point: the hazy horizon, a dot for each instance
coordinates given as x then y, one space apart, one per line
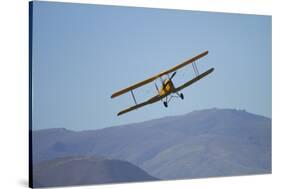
209 109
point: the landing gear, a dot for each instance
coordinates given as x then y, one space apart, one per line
181 95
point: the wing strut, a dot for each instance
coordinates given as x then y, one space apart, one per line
134 97
195 68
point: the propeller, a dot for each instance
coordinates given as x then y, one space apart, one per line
172 75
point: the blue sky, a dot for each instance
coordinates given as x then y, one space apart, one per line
83 53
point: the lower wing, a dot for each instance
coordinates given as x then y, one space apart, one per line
150 101
158 97
194 80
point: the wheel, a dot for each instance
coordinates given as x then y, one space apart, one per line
165 104
181 95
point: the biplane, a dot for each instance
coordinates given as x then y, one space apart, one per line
167 90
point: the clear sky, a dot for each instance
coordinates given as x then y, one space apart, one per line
83 53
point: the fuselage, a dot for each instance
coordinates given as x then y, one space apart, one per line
167 87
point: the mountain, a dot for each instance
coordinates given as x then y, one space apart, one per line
205 143
82 170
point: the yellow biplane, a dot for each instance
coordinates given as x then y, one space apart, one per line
167 87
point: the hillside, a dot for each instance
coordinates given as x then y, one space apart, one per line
206 143
83 170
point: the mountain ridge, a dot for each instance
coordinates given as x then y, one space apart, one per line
155 119
233 142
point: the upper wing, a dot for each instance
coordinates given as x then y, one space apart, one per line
158 75
183 64
194 79
150 101
133 86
